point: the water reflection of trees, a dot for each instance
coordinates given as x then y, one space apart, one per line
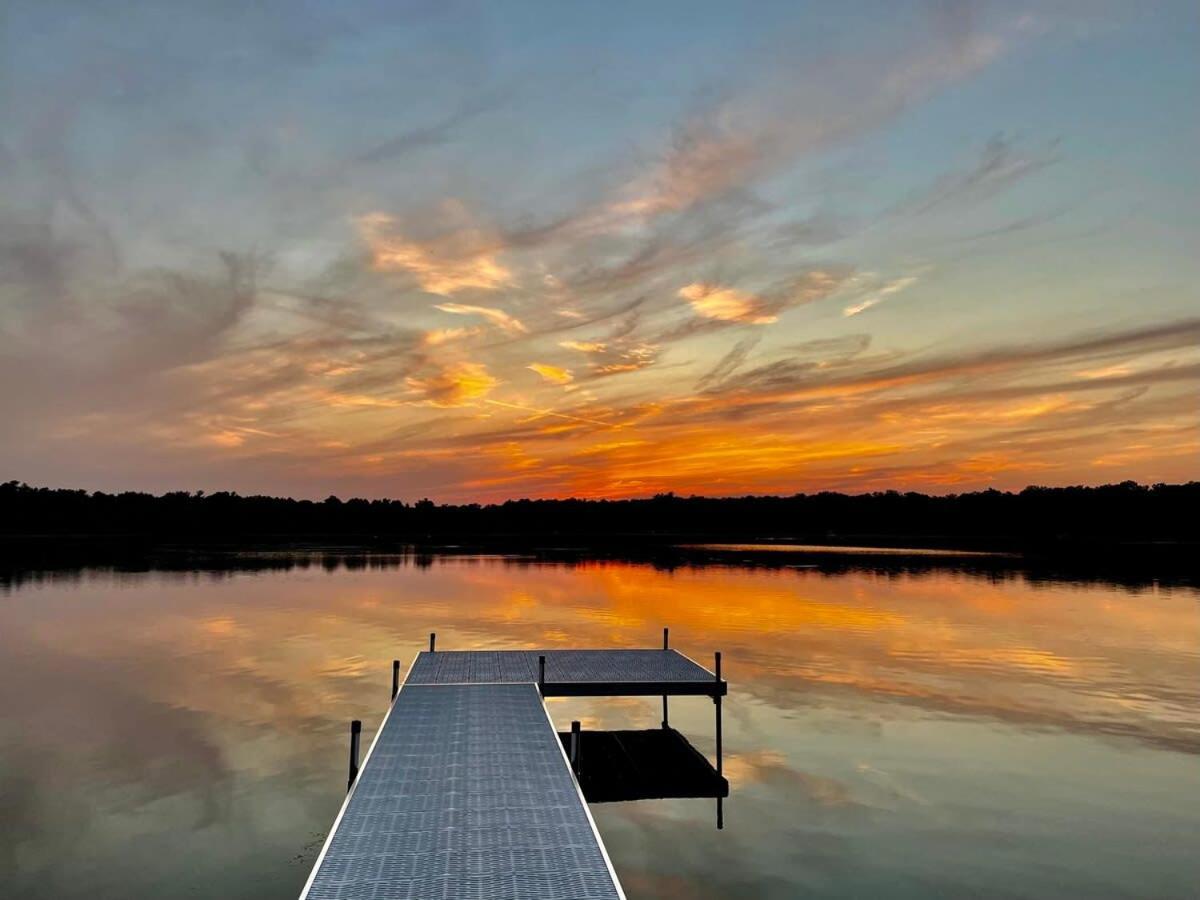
68 562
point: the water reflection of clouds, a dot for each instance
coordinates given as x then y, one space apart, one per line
955 645
182 693
771 767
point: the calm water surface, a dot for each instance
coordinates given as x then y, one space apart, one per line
887 734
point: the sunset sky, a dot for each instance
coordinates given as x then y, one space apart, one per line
473 251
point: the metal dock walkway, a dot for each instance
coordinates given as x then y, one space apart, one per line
467 792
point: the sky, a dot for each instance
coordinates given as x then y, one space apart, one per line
474 251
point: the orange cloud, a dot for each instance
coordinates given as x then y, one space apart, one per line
226 439
440 336
497 317
552 373
639 356
726 304
584 346
458 384
364 400
461 261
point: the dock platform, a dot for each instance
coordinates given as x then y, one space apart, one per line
467 791
572 673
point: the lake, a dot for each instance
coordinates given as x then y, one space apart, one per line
891 730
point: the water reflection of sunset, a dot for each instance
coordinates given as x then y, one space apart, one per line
854 696
1008 650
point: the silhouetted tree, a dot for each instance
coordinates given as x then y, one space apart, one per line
1126 511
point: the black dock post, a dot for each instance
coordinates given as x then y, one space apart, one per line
432 639
717 700
395 678
355 734
575 747
666 645
720 766
542 675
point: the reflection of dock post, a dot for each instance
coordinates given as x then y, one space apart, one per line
666 645
355 734
395 678
575 747
717 701
542 675
432 640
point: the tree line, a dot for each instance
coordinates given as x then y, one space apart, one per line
1127 511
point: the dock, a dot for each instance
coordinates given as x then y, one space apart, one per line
467 790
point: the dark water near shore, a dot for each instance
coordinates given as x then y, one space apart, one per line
890 731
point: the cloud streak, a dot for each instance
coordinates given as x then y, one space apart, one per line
497 317
460 261
552 374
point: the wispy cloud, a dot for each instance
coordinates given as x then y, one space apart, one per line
641 356
462 260
445 335
879 294
431 135
1000 165
584 346
497 317
727 304
719 306
729 363
553 374
456 384
788 381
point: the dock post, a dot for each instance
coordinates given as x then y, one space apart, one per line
666 645
395 678
542 675
575 747
355 735
717 700
432 639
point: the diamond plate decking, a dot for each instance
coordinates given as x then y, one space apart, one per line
607 673
466 791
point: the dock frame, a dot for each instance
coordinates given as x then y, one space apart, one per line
467 791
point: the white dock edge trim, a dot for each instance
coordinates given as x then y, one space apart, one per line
579 792
697 665
312 876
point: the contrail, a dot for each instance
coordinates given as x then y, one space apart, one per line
547 412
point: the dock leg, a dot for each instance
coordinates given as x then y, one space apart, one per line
432 640
355 735
575 747
542 675
666 646
720 813
395 678
717 701
720 767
